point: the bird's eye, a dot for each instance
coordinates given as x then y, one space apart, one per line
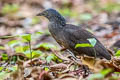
44 14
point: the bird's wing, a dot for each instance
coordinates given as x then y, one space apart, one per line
76 35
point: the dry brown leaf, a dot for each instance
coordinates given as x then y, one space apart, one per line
44 75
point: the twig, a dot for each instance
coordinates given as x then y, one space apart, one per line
29 43
6 37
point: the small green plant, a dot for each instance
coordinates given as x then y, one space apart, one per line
34 53
85 16
13 43
4 56
100 75
46 46
10 9
117 53
7 72
2 48
53 57
46 69
27 38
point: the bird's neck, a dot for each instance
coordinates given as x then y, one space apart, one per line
58 20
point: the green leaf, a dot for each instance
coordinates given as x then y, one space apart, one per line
105 71
83 45
26 37
35 20
3 75
85 16
6 73
39 32
2 47
13 68
92 41
7 8
56 59
36 54
19 49
46 69
4 56
53 57
50 58
13 43
117 53
47 46
95 76
28 53
115 77
117 72
100 75
25 48
13 60
1 68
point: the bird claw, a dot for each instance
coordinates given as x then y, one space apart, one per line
63 49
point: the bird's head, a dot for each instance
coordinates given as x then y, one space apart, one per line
49 13
53 16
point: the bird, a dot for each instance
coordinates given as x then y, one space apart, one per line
68 35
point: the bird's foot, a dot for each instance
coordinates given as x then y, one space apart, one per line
63 49
78 61
72 54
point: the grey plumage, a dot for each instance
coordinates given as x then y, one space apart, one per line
69 35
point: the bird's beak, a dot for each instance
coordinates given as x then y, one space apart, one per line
39 14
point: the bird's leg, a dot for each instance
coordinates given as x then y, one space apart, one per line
75 59
63 49
111 53
83 56
72 54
